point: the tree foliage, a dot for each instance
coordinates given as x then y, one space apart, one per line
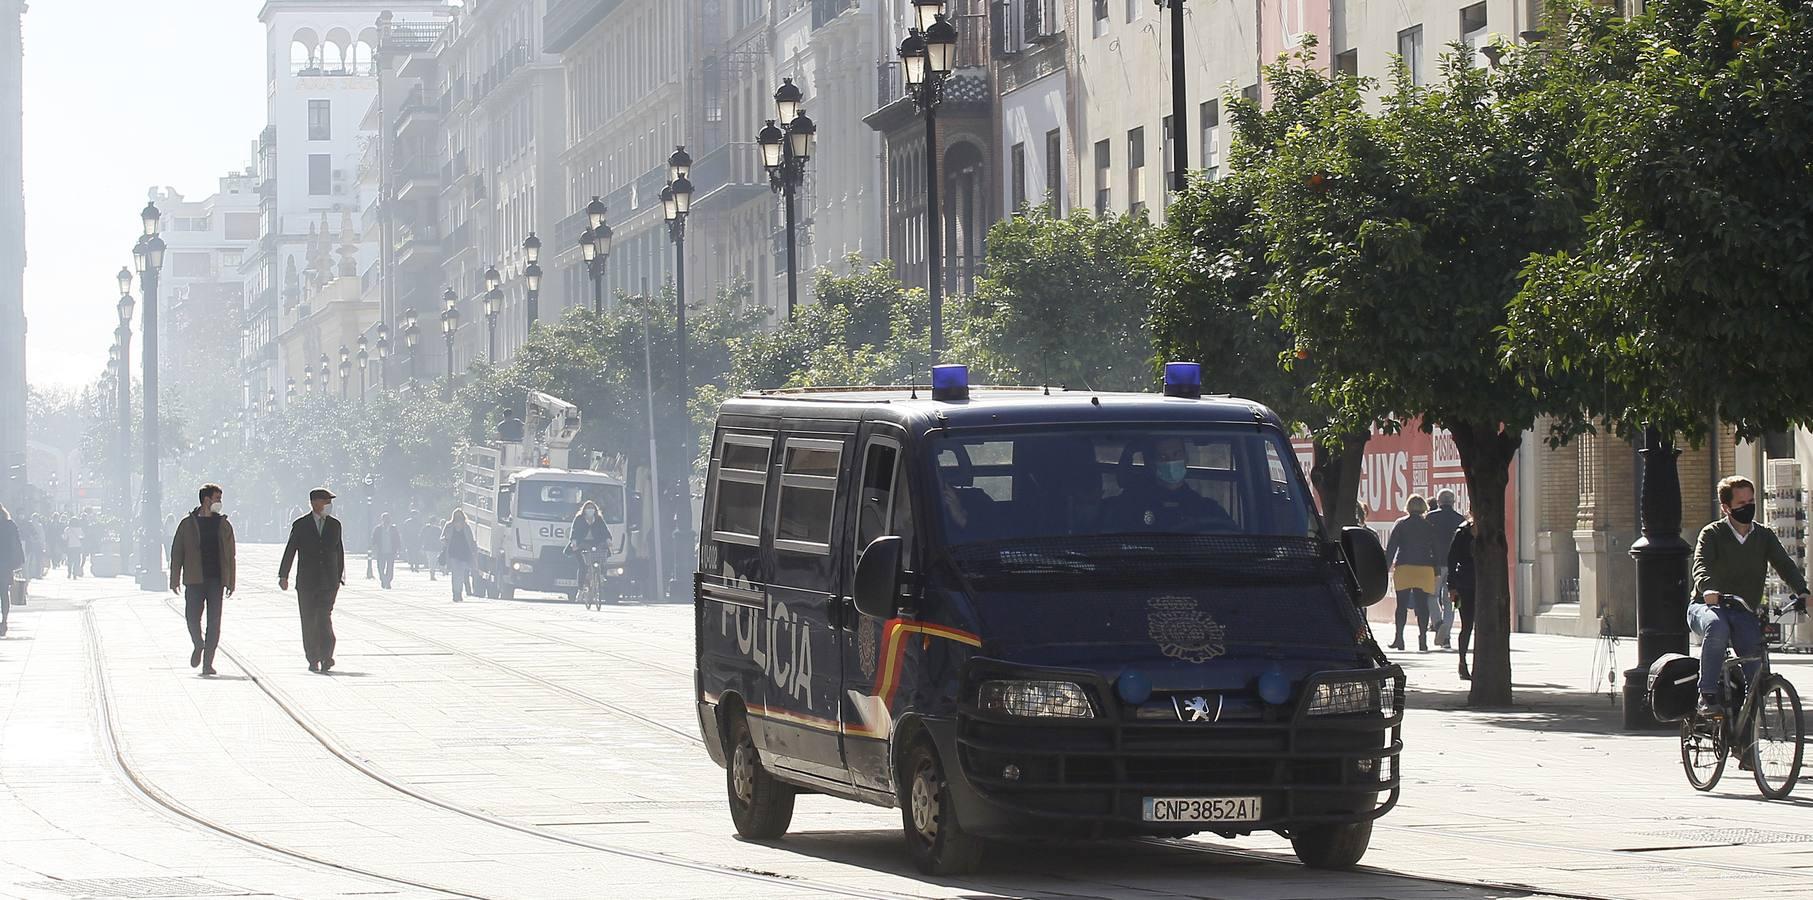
1692 291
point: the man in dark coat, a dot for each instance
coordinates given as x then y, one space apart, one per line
12 556
320 555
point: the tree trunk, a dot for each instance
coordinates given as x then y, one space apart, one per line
1335 474
1486 453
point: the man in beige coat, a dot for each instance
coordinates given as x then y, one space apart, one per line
202 564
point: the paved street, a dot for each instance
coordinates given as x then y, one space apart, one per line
535 749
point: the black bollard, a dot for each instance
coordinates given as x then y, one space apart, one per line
1663 561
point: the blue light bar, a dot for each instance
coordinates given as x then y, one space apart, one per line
950 383
1183 379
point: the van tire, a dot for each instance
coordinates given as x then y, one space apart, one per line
763 807
935 840
1332 846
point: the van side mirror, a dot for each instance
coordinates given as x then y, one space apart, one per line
1366 562
506 498
878 578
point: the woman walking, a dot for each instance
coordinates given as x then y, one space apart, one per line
1460 587
459 550
1412 550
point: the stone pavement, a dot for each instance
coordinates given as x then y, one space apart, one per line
535 749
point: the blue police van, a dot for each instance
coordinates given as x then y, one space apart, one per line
1018 613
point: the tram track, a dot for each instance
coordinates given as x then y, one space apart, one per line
321 735
149 793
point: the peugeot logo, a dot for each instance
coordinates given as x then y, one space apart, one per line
1198 709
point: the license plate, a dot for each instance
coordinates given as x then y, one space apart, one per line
566 582
1202 809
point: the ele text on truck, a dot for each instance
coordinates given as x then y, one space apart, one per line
520 496
1019 613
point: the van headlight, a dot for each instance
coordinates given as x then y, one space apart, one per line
1036 699
1344 698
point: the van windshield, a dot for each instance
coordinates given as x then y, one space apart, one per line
559 501
1008 486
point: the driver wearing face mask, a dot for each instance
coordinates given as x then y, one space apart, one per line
1168 503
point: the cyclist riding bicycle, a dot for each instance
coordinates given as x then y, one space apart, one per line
1731 560
588 535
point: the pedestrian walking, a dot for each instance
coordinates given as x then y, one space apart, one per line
319 553
1446 520
203 569
430 538
385 542
72 543
53 541
33 535
1412 550
458 550
12 556
1461 586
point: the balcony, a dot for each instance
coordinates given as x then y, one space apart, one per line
415 176
416 111
417 244
823 11
267 138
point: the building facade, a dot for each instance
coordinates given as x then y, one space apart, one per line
12 253
321 79
201 294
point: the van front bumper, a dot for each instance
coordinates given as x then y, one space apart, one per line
1090 777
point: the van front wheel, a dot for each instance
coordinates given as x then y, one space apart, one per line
935 840
760 806
1332 846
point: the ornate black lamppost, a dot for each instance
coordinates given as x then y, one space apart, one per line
410 335
786 148
450 326
383 356
927 58
123 399
346 369
595 247
531 251
364 357
148 258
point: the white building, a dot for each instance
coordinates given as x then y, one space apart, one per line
1038 124
320 76
201 291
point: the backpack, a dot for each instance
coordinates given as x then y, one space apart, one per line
1674 680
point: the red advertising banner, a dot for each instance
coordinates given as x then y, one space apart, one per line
1414 462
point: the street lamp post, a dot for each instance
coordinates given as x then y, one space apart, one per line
676 205
531 249
123 399
364 356
450 326
148 258
346 370
786 148
326 374
491 305
383 356
1180 148
927 58
410 336
595 246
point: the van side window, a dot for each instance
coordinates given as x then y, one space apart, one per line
887 506
808 496
805 511
736 526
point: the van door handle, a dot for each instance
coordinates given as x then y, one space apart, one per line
836 612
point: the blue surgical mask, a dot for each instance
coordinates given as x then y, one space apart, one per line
1172 471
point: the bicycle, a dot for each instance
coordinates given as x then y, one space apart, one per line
591 578
1770 719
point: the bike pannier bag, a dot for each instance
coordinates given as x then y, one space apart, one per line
1673 686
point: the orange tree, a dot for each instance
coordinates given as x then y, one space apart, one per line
1394 243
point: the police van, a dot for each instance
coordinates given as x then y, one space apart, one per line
1022 613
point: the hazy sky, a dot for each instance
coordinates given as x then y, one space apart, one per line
121 95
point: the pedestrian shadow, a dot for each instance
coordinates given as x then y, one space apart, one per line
342 673
223 677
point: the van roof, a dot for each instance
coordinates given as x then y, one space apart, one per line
587 475
996 405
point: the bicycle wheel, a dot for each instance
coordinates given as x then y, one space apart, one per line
1776 733
1702 751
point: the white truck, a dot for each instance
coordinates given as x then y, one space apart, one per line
520 495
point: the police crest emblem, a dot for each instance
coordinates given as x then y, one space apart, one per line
1184 632
868 646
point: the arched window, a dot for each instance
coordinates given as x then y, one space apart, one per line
334 49
362 62
303 48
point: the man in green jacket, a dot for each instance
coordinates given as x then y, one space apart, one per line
1731 560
